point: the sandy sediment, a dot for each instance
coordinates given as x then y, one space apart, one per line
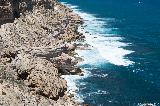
35 50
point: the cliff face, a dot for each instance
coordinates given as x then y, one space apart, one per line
35 52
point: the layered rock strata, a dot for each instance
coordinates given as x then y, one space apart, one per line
35 50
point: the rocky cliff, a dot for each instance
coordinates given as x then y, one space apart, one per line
11 9
36 48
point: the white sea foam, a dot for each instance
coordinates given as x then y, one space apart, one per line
148 104
72 84
90 57
109 47
106 47
100 75
99 92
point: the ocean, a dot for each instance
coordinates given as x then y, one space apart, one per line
123 66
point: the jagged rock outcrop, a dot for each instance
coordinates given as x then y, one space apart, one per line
35 50
19 95
11 9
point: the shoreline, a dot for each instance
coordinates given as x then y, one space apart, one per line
98 43
35 52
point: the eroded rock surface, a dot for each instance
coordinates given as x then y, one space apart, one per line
11 9
35 50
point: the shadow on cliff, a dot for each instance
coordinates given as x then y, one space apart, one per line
11 9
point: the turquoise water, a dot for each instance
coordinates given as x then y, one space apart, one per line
124 64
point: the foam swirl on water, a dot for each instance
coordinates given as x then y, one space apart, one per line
106 47
110 47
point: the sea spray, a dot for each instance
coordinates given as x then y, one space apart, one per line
73 82
109 46
104 48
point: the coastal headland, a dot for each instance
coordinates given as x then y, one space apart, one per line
36 48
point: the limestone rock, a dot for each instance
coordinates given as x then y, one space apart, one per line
35 50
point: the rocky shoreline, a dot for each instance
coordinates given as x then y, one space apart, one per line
35 50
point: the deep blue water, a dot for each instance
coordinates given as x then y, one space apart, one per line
138 23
